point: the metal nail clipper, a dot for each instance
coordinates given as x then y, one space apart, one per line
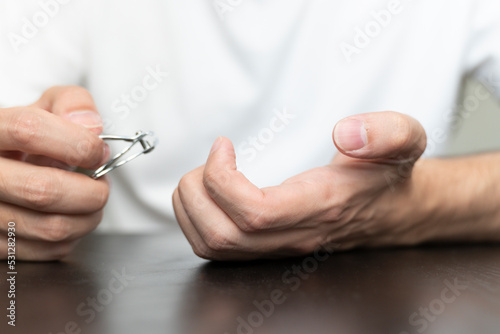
145 139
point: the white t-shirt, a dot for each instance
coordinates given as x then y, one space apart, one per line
272 75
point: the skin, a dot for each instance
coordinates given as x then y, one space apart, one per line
376 196
51 205
376 191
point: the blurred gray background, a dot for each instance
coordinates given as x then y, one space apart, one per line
479 131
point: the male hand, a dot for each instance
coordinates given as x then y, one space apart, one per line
361 199
51 205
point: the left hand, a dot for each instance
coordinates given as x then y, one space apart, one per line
362 198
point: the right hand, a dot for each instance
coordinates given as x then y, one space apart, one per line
52 207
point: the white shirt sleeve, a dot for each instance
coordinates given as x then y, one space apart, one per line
483 54
41 45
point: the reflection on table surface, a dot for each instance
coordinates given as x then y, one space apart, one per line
154 284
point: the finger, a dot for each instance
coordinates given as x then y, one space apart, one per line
74 104
47 227
40 160
254 209
35 131
226 185
199 246
229 188
49 189
198 243
387 135
32 250
222 239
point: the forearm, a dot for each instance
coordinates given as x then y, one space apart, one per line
457 199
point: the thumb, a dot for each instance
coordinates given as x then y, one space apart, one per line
380 135
223 181
74 104
230 189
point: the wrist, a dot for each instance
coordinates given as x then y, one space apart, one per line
455 199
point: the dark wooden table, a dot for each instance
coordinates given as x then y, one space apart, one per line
154 284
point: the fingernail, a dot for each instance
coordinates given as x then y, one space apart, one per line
216 144
350 135
89 119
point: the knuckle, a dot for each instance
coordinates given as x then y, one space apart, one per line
70 91
41 190
102 197
213 180
90 150
403 131
210 179
54 90
94 144
220 240
56 229
87 152
200 201
186 182
203 252
70 94
24 127
250 221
